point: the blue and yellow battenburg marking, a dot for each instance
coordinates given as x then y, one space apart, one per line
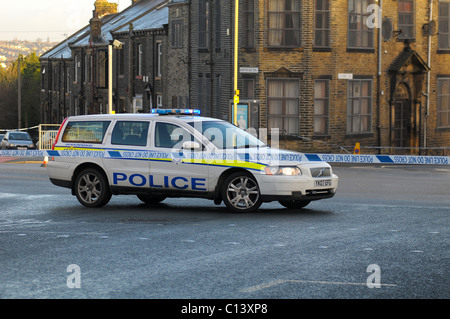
224 160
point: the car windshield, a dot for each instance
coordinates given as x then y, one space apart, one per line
225 135
19 136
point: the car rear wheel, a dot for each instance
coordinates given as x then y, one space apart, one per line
151 199
240 193
295 204
92 189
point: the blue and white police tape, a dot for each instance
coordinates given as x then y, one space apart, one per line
260 156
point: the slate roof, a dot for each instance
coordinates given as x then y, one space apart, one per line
144 15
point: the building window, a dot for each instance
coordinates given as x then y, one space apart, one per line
140 60
360 36
121 54
55 78
406 19
75 68
159 101
248 88
43 83
68 79
443 107
218 25
283 105
177 33
284 23
102 69
88 68
249 24
444 26
321 106
204 92
322 24
359 106
203 24
159 59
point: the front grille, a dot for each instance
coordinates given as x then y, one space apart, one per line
320 172
319 192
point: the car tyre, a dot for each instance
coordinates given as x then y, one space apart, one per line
151 199
92 189
295 203
241 193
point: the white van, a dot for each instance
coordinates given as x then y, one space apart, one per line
155 156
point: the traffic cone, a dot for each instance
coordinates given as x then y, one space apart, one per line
44 164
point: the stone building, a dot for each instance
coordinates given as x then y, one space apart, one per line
326 73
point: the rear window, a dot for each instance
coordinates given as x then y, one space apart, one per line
85 131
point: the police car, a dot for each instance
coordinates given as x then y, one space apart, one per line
178 153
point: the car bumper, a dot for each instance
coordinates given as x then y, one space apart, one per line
275 188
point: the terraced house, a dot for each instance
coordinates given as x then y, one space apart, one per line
326 73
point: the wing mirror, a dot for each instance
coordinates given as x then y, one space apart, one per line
191 145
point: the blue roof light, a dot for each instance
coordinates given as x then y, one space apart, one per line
175 111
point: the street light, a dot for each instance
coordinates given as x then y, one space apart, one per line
116 44
236 35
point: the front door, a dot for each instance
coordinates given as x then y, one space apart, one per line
402 123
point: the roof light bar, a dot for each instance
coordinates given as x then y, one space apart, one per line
175 111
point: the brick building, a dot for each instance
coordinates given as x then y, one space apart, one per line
321 71
327 75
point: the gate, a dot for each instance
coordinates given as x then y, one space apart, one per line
47 135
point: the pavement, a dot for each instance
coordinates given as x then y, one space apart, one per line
22 160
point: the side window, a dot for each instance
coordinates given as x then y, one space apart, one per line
130 133
169 135
85 131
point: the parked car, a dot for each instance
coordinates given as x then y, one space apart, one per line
16 140
188 156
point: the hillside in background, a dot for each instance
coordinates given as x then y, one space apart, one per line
10 50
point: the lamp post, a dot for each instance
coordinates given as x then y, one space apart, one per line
110 79
116 44
236 37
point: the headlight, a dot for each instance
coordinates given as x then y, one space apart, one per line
283 170
11 145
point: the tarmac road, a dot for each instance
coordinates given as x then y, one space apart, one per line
395 218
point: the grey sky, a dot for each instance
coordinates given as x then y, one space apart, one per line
32 19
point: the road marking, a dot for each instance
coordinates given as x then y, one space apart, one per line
282 281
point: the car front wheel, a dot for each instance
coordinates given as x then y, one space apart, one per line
240 193
92 189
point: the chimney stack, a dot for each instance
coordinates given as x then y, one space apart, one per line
102 8
96 27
